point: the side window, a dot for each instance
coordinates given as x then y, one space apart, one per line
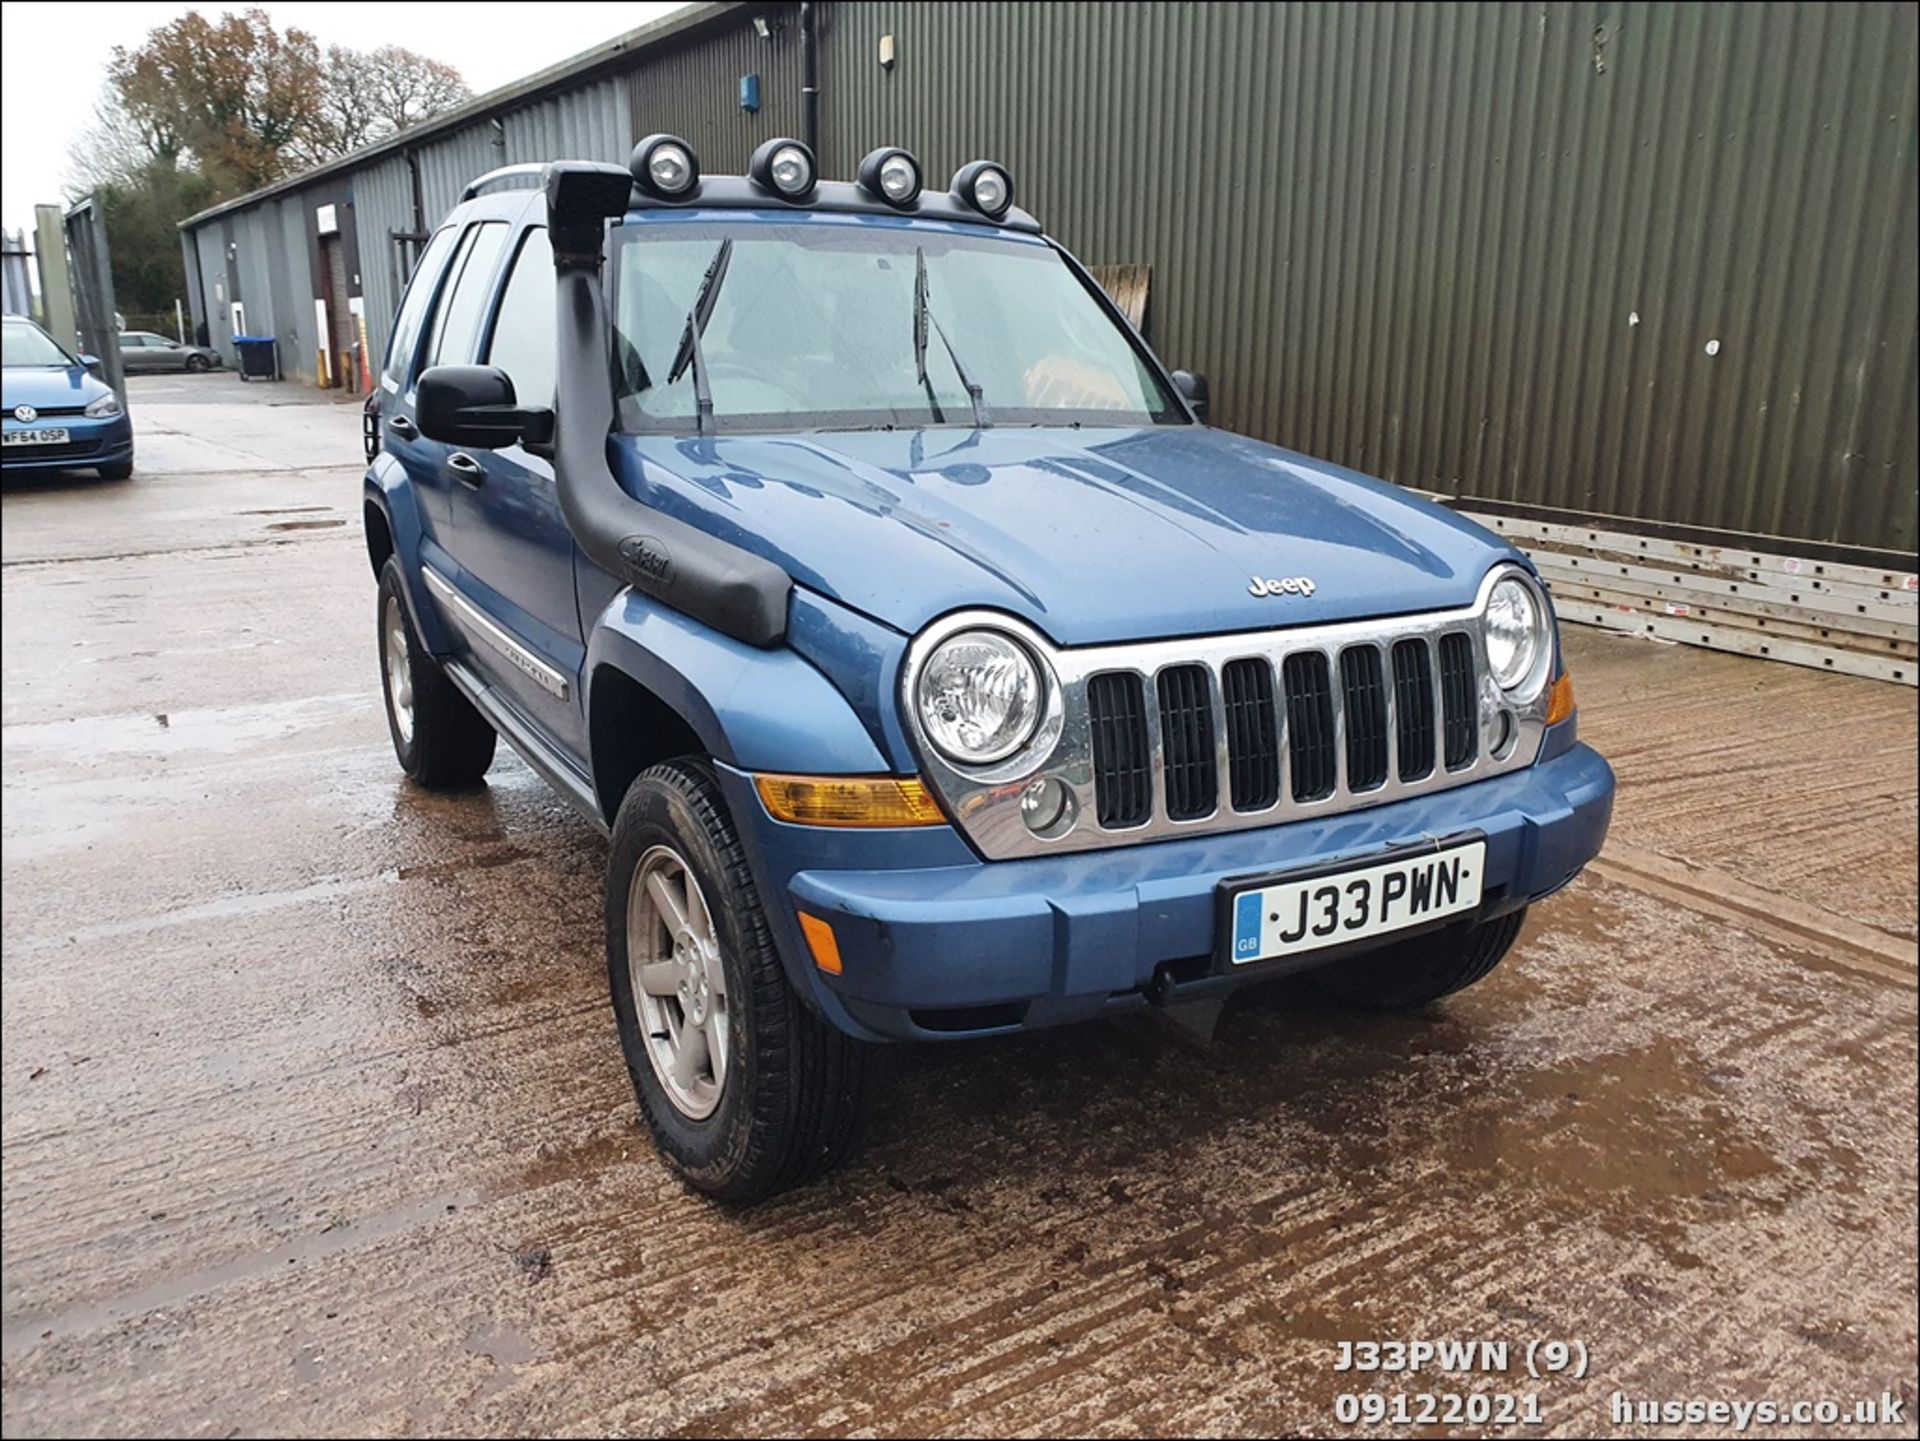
457 324
406 325
523 332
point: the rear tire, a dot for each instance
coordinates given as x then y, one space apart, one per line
783 1103
441 741
196 364
119 470
1418 971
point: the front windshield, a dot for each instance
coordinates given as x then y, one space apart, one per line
813 326
29 345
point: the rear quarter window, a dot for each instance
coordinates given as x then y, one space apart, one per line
456 324
523 342
406 325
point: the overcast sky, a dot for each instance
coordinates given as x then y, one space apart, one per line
53 56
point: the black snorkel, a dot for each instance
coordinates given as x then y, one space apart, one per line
719 584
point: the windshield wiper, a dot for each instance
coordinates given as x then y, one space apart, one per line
689 352
922 318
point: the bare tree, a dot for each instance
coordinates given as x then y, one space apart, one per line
369 95
348 116
118 146
409 87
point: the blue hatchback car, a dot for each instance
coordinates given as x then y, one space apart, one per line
58 415
934 666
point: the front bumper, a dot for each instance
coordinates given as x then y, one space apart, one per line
90 442
935 943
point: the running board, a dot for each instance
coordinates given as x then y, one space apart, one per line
530 748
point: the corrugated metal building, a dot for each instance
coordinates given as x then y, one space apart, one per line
1652 261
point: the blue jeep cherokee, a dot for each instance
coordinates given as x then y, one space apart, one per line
937 671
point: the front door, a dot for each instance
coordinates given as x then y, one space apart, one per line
515 552
424 460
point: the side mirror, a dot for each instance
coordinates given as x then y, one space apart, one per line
92 364
1193 389
473 405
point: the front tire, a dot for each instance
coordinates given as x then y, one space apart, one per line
747 1092
119 470
1420 970
441 741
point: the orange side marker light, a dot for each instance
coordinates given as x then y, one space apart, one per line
820 940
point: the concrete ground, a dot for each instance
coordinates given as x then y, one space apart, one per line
314 1118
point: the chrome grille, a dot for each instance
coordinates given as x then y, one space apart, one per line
1161 739
1253 734
1310 726
1122 755
1365 694
1456 698
1361 723
1186 740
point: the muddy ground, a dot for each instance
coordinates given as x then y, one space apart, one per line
314 1118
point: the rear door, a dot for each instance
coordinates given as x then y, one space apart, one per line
515 552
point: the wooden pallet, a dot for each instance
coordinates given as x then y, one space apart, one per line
1127 286
1853 619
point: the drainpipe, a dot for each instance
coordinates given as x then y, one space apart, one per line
413 177
809 80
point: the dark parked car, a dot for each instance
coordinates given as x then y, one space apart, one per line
142 350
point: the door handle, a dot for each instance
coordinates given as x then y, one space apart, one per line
403 427
469 470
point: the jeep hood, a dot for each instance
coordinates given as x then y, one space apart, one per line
1091 535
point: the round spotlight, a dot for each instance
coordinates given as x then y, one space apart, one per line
986 187
892 175
784 167
663 166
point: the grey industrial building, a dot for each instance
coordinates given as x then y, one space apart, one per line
1645 261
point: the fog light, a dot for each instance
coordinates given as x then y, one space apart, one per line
784 167
984 186
1498 732
891 174
898 179
664 166
1047 807
790 170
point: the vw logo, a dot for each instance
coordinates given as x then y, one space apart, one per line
25 413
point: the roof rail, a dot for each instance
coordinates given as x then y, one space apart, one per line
528 173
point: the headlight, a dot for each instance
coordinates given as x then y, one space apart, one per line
979 697
103 408
1516 633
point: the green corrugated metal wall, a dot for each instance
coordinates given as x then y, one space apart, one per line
693 90
1654 261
